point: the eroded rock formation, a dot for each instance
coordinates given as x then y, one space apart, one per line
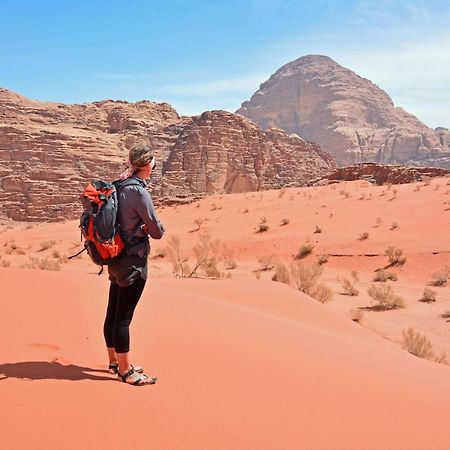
383 173
347 115
49 151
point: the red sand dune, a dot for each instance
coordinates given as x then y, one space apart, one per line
242 364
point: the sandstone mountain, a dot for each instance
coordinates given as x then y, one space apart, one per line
49 151
346 115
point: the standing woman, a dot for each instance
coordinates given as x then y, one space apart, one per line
128 275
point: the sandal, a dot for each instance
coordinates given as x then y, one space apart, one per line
141 379
114 369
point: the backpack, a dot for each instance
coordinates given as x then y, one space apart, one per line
98 222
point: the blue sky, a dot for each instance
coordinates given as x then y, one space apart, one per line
200 55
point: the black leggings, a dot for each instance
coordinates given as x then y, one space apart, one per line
121 305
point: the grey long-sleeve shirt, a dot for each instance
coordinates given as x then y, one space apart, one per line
135 210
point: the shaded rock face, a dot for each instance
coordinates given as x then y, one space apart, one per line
221 152
49 151
347 115
383 173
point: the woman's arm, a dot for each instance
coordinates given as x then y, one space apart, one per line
146 211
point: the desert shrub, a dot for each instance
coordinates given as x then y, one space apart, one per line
245 211
383 276
305 277
322 259
45 245
5 263
426 180
305 250
322 293
385 297
198 223
284 222
318 229
207 256
42 264
356 314
349 285
395 256
282 273
363 236
428 296
281 192
394 226
378 221
177 256
56 254
228 258
417 344
440 278
266 263
262 228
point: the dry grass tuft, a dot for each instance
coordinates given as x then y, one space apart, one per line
440 278
349 285
45 245
266 263
318 229
305 250
385 297
395 256
419 345
322 259
383 276
394 226
356 315
363 236
429 296
42 264
284 222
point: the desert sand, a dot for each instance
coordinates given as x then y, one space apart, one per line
242 362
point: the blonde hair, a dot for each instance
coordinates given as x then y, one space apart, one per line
140 155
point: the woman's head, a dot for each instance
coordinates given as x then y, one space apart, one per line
140 155
141 161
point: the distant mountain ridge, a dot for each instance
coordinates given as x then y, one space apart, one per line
346 115
49 151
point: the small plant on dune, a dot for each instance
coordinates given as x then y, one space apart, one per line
245 211
419 345
384 275
305 250
378 222
440 278
228 258
385 297
281 192
394 194
356 315
42 264
322 293
282 273
56 254
45 245
262 227
322 259
394 226
363 236
305 277
318 229
363 196
428 296
349 285
159 253
177 256
5 263
198 223
395 256
284 222
266 263
207 254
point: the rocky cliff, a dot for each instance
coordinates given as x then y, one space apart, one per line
347 115
223 152
49 151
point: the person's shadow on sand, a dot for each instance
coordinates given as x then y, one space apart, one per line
46 370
